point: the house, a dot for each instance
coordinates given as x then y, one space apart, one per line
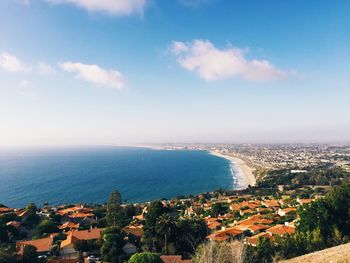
286 211
253 241
67 245
254 219
134 230
246 212
255 229
69 226
304 201
69 210
14 224
271 203
6 210
174 259
226 235
139 217
281 230
43 245
23 214
214 225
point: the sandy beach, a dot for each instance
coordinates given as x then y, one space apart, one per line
244 173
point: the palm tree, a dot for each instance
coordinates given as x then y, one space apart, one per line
165 224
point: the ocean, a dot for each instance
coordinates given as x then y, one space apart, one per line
88 175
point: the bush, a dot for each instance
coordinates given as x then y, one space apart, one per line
145 257
224 252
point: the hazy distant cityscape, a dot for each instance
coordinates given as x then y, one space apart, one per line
280 156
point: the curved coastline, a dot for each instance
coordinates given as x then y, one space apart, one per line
243 176
244 173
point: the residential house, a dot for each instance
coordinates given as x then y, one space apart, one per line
281 230
67 245
174 259
43 245
287 211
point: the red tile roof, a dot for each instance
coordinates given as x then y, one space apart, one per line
214 225
42 244
254 239
4 210
73 236
174 259
281 230
134 230
224 235
69 225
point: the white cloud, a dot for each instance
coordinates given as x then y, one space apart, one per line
211 63
113 7
11 63
95 74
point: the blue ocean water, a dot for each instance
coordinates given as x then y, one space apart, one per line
88 175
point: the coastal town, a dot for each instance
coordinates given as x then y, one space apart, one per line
271 206
233 217
279 156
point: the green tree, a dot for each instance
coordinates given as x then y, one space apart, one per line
190 233
29 254
3 234
32 219
145 257
265 250
150 237
113 209
112 243
7 254
218 209
165 225
45 227
328 213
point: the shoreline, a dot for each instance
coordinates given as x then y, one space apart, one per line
244 173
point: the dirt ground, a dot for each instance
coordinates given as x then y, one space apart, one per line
338 254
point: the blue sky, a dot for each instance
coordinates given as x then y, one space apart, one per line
143 71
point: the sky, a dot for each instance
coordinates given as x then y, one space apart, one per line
116 72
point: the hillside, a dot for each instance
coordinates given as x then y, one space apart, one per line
338 254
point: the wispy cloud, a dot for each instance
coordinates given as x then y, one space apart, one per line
11 63
112 7
95 74
211 63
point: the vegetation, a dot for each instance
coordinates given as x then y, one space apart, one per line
323 223
145 257
233 252
32 219
45 227
167 229
113 209
316 176
29 254
113 241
